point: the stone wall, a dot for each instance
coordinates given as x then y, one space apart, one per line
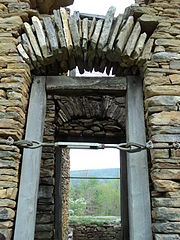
101 118
15 80
45 208
96 232
162 95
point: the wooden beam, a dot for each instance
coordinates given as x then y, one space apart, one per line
58 194
124 197
85 85
30 171
137 166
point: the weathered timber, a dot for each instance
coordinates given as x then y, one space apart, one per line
106 28
138 181
124 35
33 41
139 46
40 35
67 33
132 40
58 194
30 172
124 197
83 85
51 34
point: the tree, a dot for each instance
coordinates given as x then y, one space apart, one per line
102 198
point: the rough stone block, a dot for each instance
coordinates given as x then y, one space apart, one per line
167 237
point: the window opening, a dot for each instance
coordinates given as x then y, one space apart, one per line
94 186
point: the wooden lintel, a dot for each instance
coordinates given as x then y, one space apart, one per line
30 171
86 85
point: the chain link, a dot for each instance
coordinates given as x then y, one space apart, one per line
130 147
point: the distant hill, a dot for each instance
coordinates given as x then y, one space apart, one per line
105 173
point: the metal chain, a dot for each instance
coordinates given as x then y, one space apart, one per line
130 147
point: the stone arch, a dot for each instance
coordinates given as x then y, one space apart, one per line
57 43
90 118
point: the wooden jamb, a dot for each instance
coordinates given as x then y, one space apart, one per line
137 166
30 171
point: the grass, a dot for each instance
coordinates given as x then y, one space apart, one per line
97 220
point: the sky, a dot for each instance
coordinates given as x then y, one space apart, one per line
100 7
97 159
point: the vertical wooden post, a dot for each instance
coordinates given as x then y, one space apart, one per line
58 194
124 197
30 172
137 167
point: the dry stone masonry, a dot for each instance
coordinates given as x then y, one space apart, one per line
31 43
107 231
120 45
91 117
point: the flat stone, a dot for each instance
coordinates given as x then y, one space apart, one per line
175 65
167 56
166 174
14 20
173 194
168 42
174 78
165 138
162 100
5 234
7 203
46 191
166 214
166 202
166 186
167 237
6 213
8 184
162 90
6 224
165 118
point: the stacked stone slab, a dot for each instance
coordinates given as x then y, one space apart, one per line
91 117
106 231
161 88
15 80
45 209
108 44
